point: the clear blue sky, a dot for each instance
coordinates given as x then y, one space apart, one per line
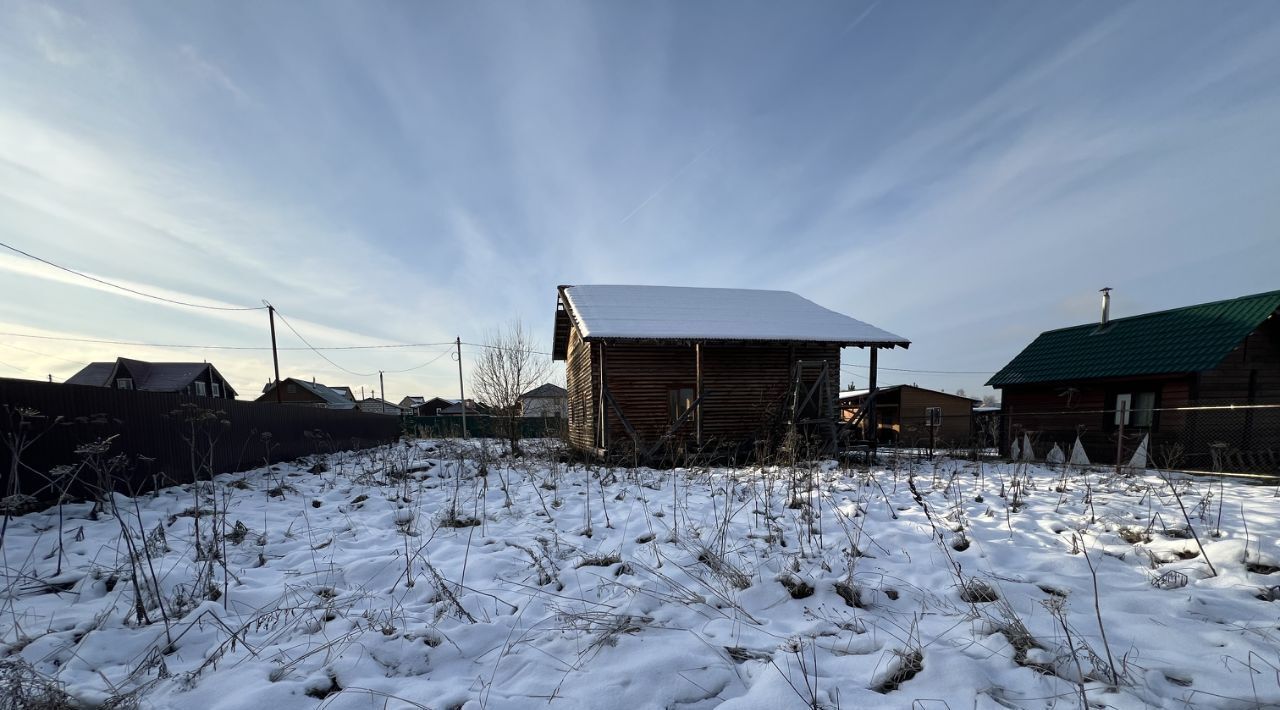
964 174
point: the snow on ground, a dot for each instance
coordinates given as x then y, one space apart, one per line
942 584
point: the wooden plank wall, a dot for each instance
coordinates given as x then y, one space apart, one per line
746 386
957 415
580 378
1256 360
1047 413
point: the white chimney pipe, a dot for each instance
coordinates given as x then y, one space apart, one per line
1106 305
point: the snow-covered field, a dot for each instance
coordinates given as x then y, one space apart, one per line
444 575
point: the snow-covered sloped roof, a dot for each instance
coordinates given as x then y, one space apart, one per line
686 313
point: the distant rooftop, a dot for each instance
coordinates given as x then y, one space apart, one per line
547 390
147 376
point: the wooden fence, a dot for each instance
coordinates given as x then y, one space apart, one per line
153 429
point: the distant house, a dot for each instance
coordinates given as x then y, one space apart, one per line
651 365
1143 372
195 378
374 405
905 413
310 394
455 409
545 401
412 402
426 407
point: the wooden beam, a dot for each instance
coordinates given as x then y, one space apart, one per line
674 428
697 352
622 418
604 409
872 424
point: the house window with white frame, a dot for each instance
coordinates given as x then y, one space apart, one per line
217 391
124 383
200 389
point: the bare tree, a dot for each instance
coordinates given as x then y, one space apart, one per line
507 367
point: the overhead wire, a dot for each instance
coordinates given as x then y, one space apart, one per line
37 352
134 291
222 347
308 346
317 352
925 372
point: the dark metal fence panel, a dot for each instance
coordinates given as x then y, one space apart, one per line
451 426
153 429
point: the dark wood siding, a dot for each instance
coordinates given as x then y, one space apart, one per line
1250 373
746 389
1056 413
957 413
580 382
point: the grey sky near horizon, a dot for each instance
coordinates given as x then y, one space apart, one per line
966 175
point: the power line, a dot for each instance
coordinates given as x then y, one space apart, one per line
15 367
499 347
923 372
418 367
381 346
136 292
37 352
220 347
317 352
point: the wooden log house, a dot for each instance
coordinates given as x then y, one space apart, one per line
1174 375
655 366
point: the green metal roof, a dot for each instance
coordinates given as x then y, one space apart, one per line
1188 339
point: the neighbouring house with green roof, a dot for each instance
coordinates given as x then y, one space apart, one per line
1145 372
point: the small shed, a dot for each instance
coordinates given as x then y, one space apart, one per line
906 413
649 366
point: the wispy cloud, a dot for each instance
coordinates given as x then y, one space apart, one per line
964 175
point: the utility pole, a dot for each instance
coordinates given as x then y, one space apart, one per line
382 386
462 393
275 357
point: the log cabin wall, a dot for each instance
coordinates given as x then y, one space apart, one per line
580 369
746 388
1056 412
1248 374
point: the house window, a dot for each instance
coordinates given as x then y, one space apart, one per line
1135 409
217 391
200 389
124 383
1143 404
679 401
933 416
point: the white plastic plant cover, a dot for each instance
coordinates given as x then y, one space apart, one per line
1078 456
1015 452
1055 455
1139 459
1028 452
